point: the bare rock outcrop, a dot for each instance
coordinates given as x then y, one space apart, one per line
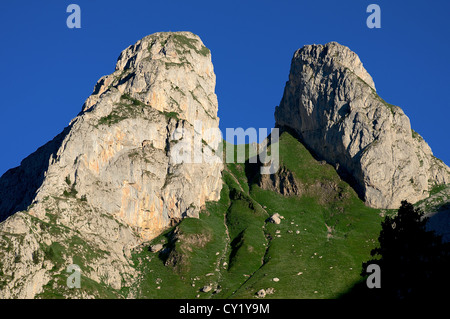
121 172
331 103
283 182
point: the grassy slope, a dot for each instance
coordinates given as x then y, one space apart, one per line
255 251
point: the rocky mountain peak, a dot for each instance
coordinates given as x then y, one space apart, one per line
175 47
110 179
331 103
158 60
330 56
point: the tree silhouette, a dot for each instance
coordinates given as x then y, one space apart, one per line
414 262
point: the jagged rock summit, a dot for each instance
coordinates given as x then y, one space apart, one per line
109 181
331 103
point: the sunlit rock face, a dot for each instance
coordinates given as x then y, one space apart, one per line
113 178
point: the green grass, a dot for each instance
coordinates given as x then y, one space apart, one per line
234 248
438 199
57 288
172 115
182 42
416 135
195 98
69 246
128 107
178 283
437 188
72 192
133 101
54 254
356 228
391 107
256 251
186 43
174 64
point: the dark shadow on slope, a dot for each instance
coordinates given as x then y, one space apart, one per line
18 185
413 262
171 256
253 165
252 171
359 291
439 222
235 245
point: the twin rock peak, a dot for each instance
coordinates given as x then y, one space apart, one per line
109 177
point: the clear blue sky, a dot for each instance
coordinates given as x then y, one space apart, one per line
49 70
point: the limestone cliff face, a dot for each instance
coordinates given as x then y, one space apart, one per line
330 101
118 151
113 177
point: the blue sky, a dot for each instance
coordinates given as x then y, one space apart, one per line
49 70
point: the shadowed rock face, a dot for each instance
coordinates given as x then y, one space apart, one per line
18 185
330 101
110 177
